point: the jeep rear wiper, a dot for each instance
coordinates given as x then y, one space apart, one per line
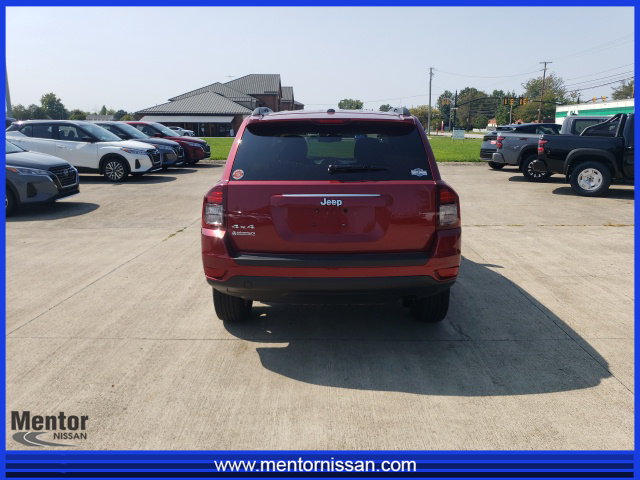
354 168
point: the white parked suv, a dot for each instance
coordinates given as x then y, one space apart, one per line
86 146
183 132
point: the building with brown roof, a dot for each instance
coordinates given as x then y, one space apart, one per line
218 109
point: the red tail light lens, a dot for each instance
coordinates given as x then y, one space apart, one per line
446 195
213 207
331 121
499 141
541 145
448 208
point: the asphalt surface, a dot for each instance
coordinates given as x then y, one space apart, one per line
109 315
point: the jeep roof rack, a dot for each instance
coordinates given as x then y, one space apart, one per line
262 111
400 111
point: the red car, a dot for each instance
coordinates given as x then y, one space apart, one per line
195 148
331 207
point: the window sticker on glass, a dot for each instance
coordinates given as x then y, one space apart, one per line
238 174
419 172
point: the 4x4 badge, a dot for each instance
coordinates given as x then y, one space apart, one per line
418 172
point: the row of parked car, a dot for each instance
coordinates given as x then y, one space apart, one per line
44 157
590 151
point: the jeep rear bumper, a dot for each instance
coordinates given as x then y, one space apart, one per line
329 290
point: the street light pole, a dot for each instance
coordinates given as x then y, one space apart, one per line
9 110
544 73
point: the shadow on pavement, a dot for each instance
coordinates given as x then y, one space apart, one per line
210 165
150 179
51 211
620 194
178 170
553 179
496 340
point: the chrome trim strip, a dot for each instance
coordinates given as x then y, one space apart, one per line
330 195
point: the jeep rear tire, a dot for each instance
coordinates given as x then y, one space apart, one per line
431 309
231 309
496 166
528 172
590 179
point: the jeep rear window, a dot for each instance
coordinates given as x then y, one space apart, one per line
357 151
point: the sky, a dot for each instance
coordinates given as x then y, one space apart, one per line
133 58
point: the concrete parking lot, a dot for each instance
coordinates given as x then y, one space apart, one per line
109 315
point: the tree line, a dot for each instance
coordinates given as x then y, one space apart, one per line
476 107
51 107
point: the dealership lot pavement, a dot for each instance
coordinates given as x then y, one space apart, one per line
109 315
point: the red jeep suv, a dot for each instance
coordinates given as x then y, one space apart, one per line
331 207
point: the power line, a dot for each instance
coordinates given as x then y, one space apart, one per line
597 73
481 76
597 48
603 84
601 78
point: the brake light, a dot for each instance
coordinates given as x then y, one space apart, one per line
541 145
448 208
499 141
213 206
331 121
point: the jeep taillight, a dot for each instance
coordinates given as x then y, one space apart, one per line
448 208
541 145
213 206
499 141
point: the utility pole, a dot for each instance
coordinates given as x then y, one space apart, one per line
429 112
544 74
455 111
9 111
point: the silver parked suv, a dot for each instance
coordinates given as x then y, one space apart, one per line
36 178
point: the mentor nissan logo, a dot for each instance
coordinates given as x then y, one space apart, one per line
32 427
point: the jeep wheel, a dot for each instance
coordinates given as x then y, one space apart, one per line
231 309
590 179
529 174
115 170
10 203
431 309
496 166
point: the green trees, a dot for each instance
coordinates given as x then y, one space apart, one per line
554 93
32 112
385 108
444 102
20 112
480 122
349 104
623 91
53 107
77 114
421 112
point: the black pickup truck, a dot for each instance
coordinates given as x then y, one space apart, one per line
590 161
